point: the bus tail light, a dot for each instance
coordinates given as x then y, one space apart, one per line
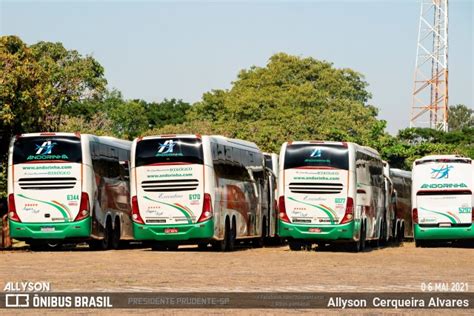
84 209
415 216
12 215
136 212
282 209
349 215
206 209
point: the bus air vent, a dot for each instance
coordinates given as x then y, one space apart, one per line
170 185
315 188
47 183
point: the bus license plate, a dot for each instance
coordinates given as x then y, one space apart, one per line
444 224
315 230
47 229
171 230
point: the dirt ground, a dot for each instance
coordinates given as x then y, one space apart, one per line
391 269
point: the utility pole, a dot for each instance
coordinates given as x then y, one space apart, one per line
430 88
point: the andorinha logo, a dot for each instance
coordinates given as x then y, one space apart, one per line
45 152
441 173
167 147
48 157
443 185
316 153
46 148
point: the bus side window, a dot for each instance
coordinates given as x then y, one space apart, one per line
228 153
220 153
214 151
251 159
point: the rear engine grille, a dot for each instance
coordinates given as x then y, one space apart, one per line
316 188
170 185
47 183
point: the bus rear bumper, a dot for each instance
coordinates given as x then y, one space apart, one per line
443 233
326 232
51 231
199 231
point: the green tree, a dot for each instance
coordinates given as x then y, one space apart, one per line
291 98
129 119
459 117
414 143
170 111
38 82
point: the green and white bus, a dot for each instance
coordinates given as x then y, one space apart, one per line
442 199
193 189
330 192
69 188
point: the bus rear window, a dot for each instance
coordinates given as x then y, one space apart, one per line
302 155
34 149
168 150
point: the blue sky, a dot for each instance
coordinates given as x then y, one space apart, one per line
163 49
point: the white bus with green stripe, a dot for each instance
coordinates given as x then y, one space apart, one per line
330 192
69 188
193 189
442 199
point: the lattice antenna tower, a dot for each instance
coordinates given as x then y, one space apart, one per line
430 89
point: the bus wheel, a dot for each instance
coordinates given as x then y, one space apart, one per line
383 235
360 244
363 235
259 242
232 236
295 245
104 243
115 240
221 245
401 234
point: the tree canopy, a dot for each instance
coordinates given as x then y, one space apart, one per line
290 98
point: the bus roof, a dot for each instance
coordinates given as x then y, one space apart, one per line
48 134
232 141
400 173
102 139
442 158
113 141
217 138
366 149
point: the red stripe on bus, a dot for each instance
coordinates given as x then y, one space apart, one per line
48 161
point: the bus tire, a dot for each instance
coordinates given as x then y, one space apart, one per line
115 240
295 245
259 242
401 233
103 244
232 236
363 240
221 245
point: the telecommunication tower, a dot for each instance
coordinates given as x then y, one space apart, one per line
430 89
